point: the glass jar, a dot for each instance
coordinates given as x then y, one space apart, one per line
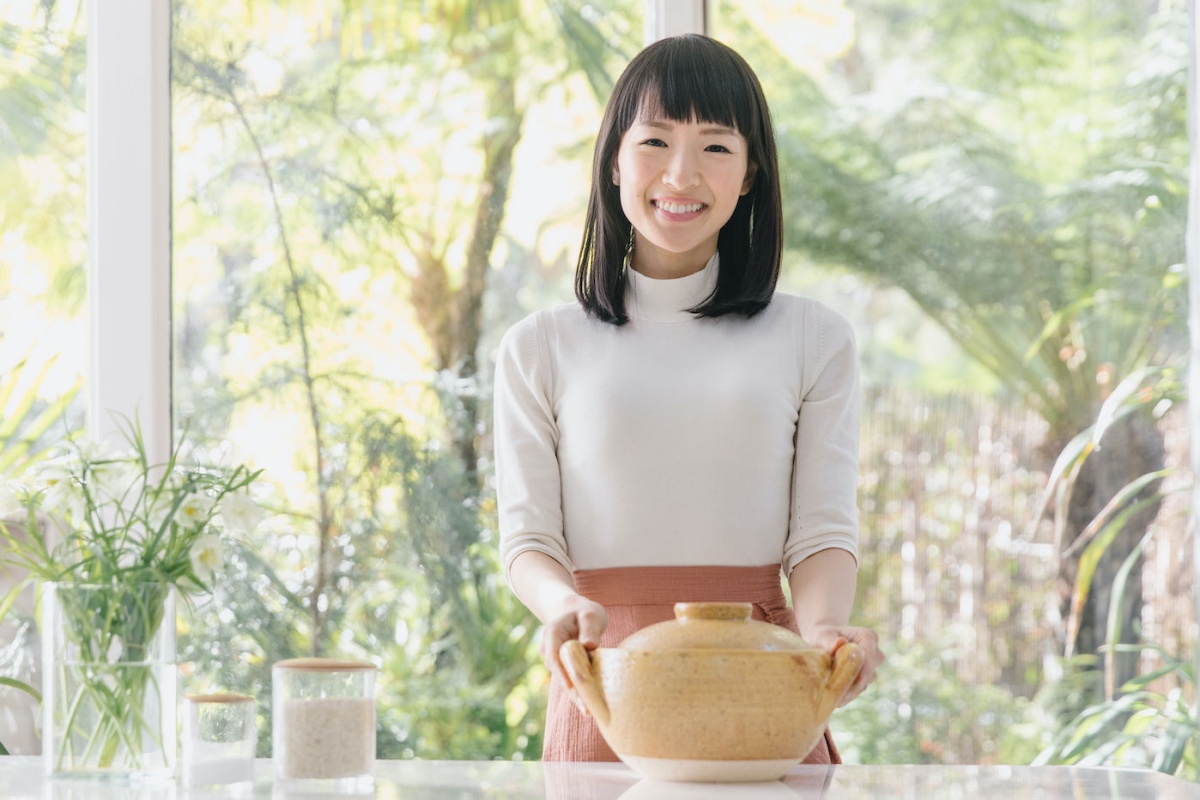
108 677
219 739
323 723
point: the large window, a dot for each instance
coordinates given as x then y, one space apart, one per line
364 196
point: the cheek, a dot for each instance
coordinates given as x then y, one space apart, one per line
630 199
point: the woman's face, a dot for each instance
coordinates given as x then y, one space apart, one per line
680 182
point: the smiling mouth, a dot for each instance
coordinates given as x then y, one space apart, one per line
678 208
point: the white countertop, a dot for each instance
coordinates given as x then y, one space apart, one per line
21 779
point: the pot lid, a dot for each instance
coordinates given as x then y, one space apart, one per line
715 626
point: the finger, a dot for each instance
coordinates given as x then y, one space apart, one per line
551 644
591 628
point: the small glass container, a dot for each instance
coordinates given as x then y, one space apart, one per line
219 740
323 724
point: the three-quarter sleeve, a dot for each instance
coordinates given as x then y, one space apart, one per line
824 512
528 481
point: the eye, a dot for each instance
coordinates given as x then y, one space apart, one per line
717 148
654 143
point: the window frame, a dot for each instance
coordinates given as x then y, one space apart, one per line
129 219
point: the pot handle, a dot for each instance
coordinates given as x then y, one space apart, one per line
580 671
847 663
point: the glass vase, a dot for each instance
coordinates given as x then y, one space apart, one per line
109 680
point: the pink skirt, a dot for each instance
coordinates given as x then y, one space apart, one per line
635 597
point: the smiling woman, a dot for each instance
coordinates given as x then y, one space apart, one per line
680 183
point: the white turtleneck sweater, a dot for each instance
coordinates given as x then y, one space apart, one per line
675 440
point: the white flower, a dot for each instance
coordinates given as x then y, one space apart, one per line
117 479
61 494
240 512
194 510
206 557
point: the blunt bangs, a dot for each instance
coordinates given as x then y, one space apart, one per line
688 78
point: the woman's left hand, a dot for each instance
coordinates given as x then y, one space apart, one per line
831 638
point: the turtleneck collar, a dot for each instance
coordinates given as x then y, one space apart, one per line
668 299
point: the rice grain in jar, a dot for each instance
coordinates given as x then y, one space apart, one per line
323 723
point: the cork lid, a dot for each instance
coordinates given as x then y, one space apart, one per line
715 626
322 665
220 697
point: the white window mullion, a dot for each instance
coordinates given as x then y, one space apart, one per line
674 17
128 101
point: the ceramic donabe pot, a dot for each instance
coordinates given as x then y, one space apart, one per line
712 695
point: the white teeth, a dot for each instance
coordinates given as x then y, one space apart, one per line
679 208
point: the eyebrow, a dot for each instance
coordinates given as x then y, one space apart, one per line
666 126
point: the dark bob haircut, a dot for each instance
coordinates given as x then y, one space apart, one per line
687 78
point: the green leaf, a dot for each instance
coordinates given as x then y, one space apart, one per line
1058 320
22 686
10 597
1175 744
1116 611
1124 399
1100 534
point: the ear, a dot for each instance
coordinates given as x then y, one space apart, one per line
616 177
751 173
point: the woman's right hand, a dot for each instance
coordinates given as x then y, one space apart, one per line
548 590
581 619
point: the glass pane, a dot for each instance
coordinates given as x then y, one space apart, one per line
365 197
995 193
43 286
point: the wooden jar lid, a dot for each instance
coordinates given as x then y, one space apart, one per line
322 664
220 697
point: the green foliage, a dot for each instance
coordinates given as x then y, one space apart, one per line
1039 221
26 418
1149 720
1142 726
921 711
43 218
1148 392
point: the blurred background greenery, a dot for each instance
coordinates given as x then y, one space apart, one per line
368 193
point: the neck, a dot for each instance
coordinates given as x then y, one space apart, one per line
664 265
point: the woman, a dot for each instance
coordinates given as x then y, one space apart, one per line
682 433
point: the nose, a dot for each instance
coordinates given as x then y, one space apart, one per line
681 171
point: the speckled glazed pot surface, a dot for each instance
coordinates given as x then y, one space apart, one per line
712 695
